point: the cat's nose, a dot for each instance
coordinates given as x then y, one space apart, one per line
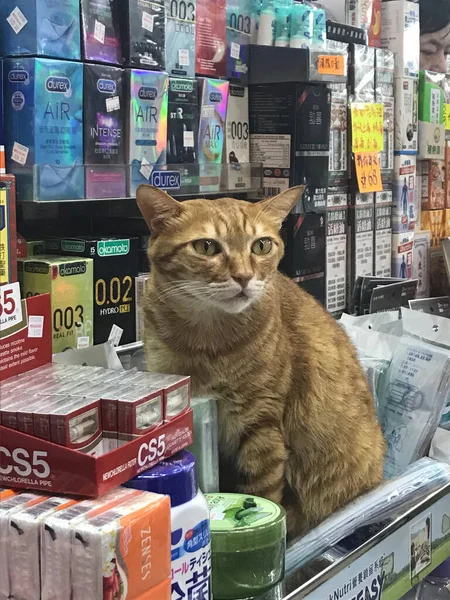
242 280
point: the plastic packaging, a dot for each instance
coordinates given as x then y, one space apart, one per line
319 41
440 446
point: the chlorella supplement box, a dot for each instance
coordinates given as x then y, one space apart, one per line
113 287
69 282
43 109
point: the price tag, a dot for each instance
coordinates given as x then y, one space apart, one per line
331 64
19 153
99 32
115 334
146 169
367 127
188 139
183 58
83 341
17 20
112 103
147 21
368 172
10 306
447 116
35 326
235 51
208 112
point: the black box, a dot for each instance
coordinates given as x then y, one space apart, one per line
183 119
336 266
143 34
304 255
115 269
361 239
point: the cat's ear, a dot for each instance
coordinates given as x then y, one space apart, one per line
157 207
280 206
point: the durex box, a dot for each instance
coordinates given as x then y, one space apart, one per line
400 33
237 139
182 125
406 115
100 31
147 97
336 268
69 281
115 269
43 109
143 27
238 39
40 27
180 38
104 134
211 38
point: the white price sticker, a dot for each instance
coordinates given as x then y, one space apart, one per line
208 112
35 326
19 153
115 334
147 21
17 20
99 32
183 58
235 51
83 341
146 169
10 306
188 139
112 103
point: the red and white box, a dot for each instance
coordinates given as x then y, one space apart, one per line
177 392
138 412
78 425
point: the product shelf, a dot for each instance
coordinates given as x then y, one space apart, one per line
50 184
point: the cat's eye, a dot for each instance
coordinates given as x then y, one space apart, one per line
206 247
262 246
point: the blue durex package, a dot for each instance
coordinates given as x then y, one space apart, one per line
43 109
40 27
180 38
238 39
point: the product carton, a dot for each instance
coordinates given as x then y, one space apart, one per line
336 267
138 411
406 115
383 240
237 142
211 38
447 174
446 223
78 425
100 31
238 14
362 73
361 239
143 33
176 390
431 174
384 74
402 254
141 281
400 33
433 221
8 233
431 115
338 164
180 38
182 125
421 263
405 209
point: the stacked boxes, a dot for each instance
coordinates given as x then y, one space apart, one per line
336 248
383 233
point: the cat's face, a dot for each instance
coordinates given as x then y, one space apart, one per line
214 254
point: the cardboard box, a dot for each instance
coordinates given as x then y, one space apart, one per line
431 174
402 254
138 412
211 38
336 248
405 209
383 240
400 33
69 282
406 115
115 266
421 263
8 232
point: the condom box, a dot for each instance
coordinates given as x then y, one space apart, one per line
431 184
180 38
69 280
140 282
115 266
147 103
183 120
338 163
41 28
43 109
336 249
304 260
211 38
237 139
400 33
402 254
361 239
100 31
8 233
383 240
104 134
362 73
405 204
238 15
421 263
406 115
431 115
213 97
143 33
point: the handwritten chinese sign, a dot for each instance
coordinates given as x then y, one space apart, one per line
367 127
368 172
331 64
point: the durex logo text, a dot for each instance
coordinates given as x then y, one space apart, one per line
57 84
106 86
18 76
167 180
215 97
147 93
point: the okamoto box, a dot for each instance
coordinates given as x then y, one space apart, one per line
383 240
361 240
405 210
115 263
402 254
143 38
182 124
41 28
43 109
78 425
400 33
180 38
406 115
104 135
138 411
211 38
69 281
338 164
336 268
421 263
147 96
431 180
100 31
237 142
238 39
304 260
140 282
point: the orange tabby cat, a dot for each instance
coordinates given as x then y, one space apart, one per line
296 417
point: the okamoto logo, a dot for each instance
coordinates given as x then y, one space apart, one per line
215 97
106 86
113 247
36 267
147 93
57 84
75 268
73 246
18 76
181 85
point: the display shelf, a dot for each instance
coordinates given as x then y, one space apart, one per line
93 183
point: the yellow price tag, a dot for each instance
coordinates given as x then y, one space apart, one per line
447 116
368 172
367 127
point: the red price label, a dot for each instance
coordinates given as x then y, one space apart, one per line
10 306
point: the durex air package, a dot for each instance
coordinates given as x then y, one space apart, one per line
127 547
43 109
104 133
180 38
100 31
147 130
69 281
143 23
237 139
41 27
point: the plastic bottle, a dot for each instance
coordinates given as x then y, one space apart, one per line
266 23
436 586
283 10
320 29
191 539
302 26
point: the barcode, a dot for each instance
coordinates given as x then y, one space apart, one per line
45 506
76 511
271 191
107 517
